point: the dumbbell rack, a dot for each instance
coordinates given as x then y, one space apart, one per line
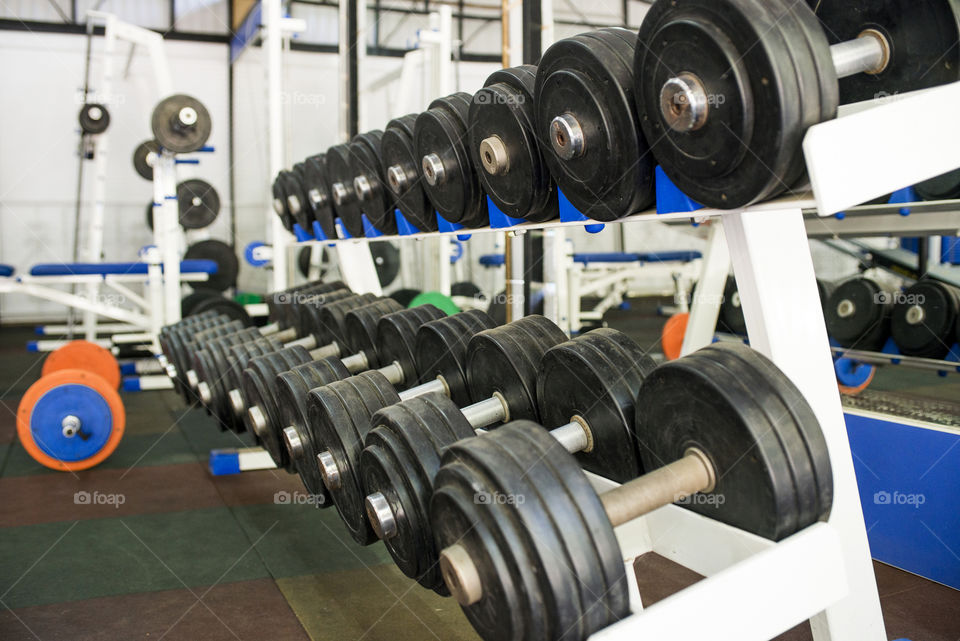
755 588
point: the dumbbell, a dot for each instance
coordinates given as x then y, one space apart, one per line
260 380
586 389
858 314
318 191
586 119
376 201
924 321
340 176
528 547
501 366
395 350
450 180
727 91
225 394
401 167
504 147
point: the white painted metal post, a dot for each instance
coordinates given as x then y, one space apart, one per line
781 305
705 306
166 224
273 51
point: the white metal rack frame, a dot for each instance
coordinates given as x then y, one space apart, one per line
756 589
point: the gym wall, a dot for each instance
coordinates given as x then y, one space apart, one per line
43 79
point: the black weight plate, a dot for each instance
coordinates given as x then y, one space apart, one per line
198 202
144 156
259 388
596 377
943 187
590 77
340 416
405 296
173 134
400 459
305 315
386 260
731 312
303 261
466 289
378 203
361 326
825 289
229 308
227 264
866 324
547 558
442 130
94 118
757 429
924 319
397 150
346 207
280 206
297 199
331 318
505 360
318 192
498 306
520 186
923 36
441 350
397 336
291 304
747 148
241 356
189 302
293 389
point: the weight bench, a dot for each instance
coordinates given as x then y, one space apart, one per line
6 271
189 266
675 256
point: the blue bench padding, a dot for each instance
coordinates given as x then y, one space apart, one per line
192 266
6 270
684 256
492 260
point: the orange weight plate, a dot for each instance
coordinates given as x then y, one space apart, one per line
86 356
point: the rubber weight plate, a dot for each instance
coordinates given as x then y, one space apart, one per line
731 312
227 264
858 314
441 350
504 146
361 326
396 339
773 468
547 558
293 390
297 199
745 147
400 459
332 317
318 192
401 166
346 207
280 206
181 123
376 201
144 157
340 416
199 203
943 187
262 416
450 181
924 319
586 80
305 314
922 35
596 377
505 359
94 118
225 307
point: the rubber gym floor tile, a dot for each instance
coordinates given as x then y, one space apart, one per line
62 496
69 561
916 608
134 450
203 435
243 610
375 604
259 487
8 420
301 539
